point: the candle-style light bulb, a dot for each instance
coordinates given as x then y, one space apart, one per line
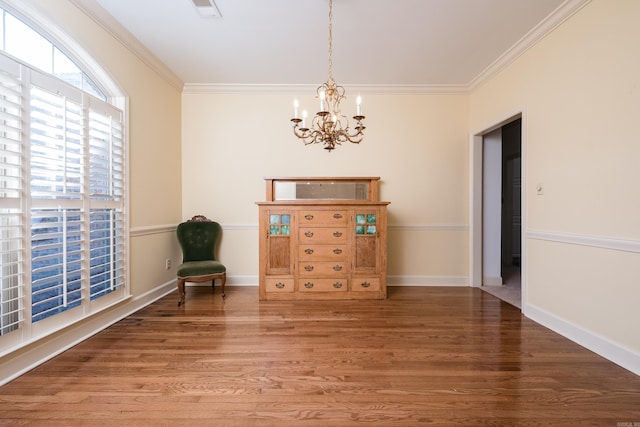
322 95
304 117
295 108
359 105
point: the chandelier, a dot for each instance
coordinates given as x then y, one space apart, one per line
329 126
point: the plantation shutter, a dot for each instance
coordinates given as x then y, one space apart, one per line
11 187
106 183
57 169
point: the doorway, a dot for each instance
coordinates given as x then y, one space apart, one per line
496 219
511 204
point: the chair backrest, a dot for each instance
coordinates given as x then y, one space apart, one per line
198 240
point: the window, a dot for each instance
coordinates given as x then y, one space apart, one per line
62 189
22 42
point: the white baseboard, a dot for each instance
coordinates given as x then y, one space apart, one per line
427 281
606 348
242 280
231 281
391 281
492 281
16 364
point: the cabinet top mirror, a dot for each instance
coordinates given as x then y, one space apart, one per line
336 188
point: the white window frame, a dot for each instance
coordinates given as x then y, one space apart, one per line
117 103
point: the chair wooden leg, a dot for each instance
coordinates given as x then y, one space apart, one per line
223 279
181 291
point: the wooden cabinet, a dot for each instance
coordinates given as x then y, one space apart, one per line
322 238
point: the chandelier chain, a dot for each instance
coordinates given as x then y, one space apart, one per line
331 40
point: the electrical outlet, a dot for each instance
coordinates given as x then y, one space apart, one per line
167 264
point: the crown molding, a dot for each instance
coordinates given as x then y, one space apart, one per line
108 23
565 11
219 88
92 9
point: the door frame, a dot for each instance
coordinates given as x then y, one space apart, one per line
476 142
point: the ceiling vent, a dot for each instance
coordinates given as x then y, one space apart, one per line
207 8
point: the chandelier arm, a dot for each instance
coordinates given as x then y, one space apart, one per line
357 134
310 136
318 136
353 140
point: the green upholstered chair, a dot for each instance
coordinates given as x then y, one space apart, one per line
198 238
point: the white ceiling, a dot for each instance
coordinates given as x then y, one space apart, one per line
375 42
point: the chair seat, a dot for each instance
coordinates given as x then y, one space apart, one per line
200 268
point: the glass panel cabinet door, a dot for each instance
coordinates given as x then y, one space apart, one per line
279 243
366 248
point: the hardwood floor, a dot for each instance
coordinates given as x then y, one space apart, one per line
425 356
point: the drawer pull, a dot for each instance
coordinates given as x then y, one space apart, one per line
337 233
279 285
308 267
365 284
337 285
308 251
308 233
337 267
308 285
337 251
308 217
337 216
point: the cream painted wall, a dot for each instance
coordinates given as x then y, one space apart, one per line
560 273
417 144
580 91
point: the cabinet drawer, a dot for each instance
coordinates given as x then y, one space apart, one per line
278 285
322 268
323 252
307 235
322 218
365 284
313 284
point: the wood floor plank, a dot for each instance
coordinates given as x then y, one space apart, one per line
425 356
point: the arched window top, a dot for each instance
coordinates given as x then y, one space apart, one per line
29 46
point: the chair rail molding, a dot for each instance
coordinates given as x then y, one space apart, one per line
153 229
429 227
603 242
